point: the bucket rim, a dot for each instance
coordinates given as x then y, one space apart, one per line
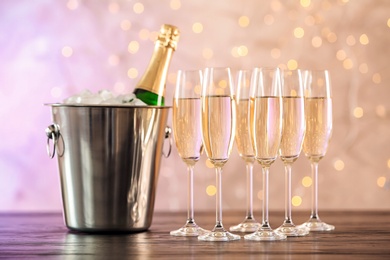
104 105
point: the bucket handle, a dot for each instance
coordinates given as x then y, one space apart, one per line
53 132
168 135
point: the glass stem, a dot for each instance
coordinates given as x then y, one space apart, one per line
287 190
265 170
314 190
190 195
218 215
249 190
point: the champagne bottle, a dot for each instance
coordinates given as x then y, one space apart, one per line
151 87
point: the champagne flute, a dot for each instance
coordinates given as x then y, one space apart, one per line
187 133
218 126
318 113
266 133
293 132
244 147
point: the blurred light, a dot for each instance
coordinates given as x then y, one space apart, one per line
316 41
132 73
72 4
305 3
338 165
306 181
325 5
376 78
296 201
381 181
125 25
153 35
133 47
388 22
243 21
282 66
198 89
234 52
197 27
331 37
119 87
175 4
144 34
242 51
293 93
309 20
222 83
341 55
211 190
138 8
113 7
358 112
67 51
348 64
207 53
269 19
364 39
209 164
113 60
388 163
351 40
275 53
275 5
292 64
380 110
363 68
299 32
56 92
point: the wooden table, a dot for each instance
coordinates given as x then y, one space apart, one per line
358 235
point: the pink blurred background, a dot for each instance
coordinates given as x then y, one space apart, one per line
53 49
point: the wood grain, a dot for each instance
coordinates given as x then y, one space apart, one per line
358 235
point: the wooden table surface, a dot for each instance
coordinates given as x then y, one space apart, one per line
358 235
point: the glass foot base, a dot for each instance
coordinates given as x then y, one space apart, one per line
219 236
265 235
189 230
291 230
318 225
248 225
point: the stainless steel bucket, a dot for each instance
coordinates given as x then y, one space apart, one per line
109 160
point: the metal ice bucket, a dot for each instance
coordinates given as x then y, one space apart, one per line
109 160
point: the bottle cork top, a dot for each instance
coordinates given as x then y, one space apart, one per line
169 36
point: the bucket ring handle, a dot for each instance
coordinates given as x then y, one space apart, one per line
168 135
53 132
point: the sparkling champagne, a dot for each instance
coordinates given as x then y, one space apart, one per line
218 126
266 128
293 129
151 87
318 127
187 128
243 139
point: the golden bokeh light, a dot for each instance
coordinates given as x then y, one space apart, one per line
363 68
242 51
310 20
376 78
207 53
363 39
125 25
222 83
316 41
341 55
211 190
144 34
243 21
299 32
381 181
331 37
339 165
138 8
388 163
132 73
292 64
358 112
175 4
307 181
348 64
351 41
305 3
388 22
197 27
296 201
133 47
67 51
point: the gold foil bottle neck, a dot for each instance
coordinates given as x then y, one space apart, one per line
168 36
